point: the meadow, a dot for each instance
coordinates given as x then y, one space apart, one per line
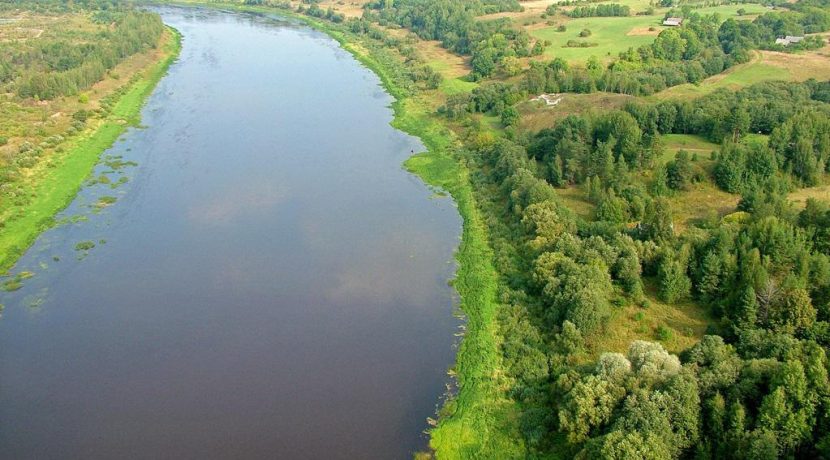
613 35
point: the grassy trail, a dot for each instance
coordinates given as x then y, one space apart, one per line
59 185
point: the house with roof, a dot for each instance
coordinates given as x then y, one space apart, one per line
673 22
789 39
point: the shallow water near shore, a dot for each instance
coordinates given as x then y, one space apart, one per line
267 282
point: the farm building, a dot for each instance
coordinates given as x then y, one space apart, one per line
788 40
674 22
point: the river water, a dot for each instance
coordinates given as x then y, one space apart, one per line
269 283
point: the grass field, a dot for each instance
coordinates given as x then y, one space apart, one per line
536 115
616 34
764 66
701 201
677 326
575 199
736 77
799 197
672 143
610 34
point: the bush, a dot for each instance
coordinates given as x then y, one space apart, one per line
585 33
664 333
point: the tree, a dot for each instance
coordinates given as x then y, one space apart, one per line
589 405
680 171
739 122
509 117
792 311
673 282
657 224
545 224
628 272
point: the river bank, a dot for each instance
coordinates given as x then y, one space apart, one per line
479 420
68 170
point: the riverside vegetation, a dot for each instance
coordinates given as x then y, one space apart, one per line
637 278
74 76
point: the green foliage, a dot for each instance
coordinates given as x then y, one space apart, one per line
64 68
603 10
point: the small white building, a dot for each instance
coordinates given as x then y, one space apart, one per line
673 22
788 40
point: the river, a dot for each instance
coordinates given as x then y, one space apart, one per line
269 283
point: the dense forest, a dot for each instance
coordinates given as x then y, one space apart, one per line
757 386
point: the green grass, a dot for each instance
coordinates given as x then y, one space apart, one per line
672 143
608 33
478 422
677 326
611 34
450 86
61 183
737 77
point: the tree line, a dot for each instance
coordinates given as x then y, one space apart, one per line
60 67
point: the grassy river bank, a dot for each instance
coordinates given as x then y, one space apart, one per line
67 171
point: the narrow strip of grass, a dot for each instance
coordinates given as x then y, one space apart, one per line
58 187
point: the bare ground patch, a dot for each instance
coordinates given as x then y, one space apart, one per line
802 66
640 31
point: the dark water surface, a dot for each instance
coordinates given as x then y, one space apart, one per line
269 284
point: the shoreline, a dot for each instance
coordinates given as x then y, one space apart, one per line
62 183
478 419
473 420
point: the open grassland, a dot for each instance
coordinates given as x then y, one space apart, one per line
54 183
452 67
764 66
820 192
575 198
701 201
677 326
612 35
734 78
673 143
536 115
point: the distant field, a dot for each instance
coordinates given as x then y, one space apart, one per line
765 66
610 34
737 77
617 34
689 142
536 116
